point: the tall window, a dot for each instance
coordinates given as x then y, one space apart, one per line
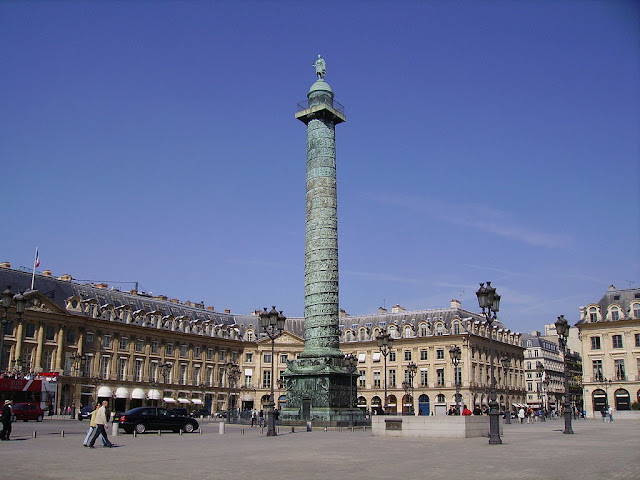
283 358
615 313
248 357
595 343
248 378
440 377
439 329
458 375
210 376
169 349
266 379
619 368
593 314
209 353
392 377
597 370
617 341
138 370
267 358
105 363
122 369
30 331
407 355
456 328
183 350
424 378
155 346
636 310
106 341
392 355
124 343
423 354
250 336
88 339
48 360
376 379
153 371
183 374
49 333
439 354
196 375
638 340
422 330
362 379
139 345
197 351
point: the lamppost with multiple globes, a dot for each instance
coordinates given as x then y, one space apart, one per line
351 362
233 375
506 363
456 354
385 341
541 376
562 327
489 302
407 385
21 303
273 324
78 364
165 371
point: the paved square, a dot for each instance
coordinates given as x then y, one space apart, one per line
538 451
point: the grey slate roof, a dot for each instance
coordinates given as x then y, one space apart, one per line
622 298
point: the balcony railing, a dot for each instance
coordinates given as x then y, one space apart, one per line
333 104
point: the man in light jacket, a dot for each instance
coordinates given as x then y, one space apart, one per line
92 427
101 421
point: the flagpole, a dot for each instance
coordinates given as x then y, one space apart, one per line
33 272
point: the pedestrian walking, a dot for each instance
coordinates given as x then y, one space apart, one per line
92 427
604 412
610 413
6 417
101 421
254 417
261 418
521 415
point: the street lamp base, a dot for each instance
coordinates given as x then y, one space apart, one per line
494 429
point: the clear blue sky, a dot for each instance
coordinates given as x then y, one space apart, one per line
155 142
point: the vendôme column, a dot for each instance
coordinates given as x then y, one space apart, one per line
319 385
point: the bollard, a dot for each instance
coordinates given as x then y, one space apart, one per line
159 433
115 428
308 426
180 432
200 430
62 434
34 435
135 434
325 429
243 431
221 426
293 429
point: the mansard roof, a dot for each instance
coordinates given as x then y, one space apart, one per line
622 298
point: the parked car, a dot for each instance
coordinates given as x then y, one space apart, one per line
200 413
28 411
179 411
142 419
85 412
222 414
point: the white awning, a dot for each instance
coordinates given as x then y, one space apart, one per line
247 398
362 357
137 393
154 395
196 401
122 392
376 356
104 392
183 400
168 400
248 372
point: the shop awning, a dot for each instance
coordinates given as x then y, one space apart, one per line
184 400
247 398
248 372
122 392
168 400
154 395
196 401
138 394
104 392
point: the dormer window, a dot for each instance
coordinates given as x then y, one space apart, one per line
615 314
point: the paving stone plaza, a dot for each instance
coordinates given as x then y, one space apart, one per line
530 451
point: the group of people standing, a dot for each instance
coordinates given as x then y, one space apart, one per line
607 413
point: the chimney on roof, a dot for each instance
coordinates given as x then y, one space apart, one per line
174 300
455 303
199 305
343 313
161 297
133 292
398 308
381 310
535 333
187 303
47 273
227 310
101 285
65 278
5 265
612 287
211 308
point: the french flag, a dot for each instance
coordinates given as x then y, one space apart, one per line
37 263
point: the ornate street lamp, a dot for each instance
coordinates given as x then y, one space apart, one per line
506 363
489 302
233 375
455 359
273 324
385 341
78 363
165 371
541 376
351 362
562 327
21 303
412 368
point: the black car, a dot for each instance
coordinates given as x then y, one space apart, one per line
85 412
200 413
179 411
142 419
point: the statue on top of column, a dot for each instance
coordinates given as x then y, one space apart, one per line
321 67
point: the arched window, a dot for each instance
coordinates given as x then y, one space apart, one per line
250 336
636 310
593 314
456 328
423 398
615 314
439 329
407 331
622 399
422 330
441 398
362 402
362 334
